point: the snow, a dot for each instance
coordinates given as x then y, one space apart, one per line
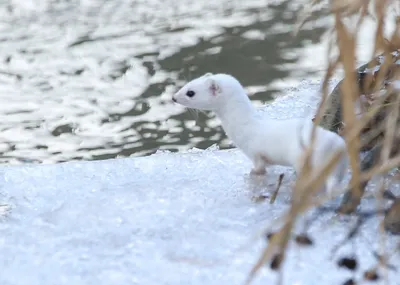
187 218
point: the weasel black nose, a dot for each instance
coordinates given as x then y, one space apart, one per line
173 99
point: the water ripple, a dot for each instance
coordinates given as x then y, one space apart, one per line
92 79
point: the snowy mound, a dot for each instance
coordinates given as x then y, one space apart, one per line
188 218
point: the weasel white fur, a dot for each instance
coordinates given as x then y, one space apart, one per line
265 141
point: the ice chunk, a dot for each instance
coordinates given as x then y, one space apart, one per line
299 102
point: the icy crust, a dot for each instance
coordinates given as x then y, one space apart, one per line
297 102
188 218
163 219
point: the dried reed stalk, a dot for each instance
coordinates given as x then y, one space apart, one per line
308 183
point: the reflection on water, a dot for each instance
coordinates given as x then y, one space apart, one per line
93 79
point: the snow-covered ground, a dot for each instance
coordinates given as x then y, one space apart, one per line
188 218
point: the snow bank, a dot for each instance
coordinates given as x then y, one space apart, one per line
188 218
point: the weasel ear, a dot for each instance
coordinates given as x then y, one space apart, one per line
207 74
214 87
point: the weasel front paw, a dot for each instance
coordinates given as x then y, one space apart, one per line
258 171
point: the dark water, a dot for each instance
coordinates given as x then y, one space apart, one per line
93 79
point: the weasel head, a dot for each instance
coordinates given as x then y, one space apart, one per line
208 92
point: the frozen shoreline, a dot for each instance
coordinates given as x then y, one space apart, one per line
169 218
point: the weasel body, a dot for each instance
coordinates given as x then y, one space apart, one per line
265 141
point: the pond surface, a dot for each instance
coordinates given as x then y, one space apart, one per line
89 80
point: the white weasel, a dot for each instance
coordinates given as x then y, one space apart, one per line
265 141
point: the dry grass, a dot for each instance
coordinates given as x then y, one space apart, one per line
344 41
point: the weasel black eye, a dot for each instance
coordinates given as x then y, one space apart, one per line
190 93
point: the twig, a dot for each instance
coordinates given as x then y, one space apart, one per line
277 188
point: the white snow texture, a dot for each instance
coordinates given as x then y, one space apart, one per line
187 218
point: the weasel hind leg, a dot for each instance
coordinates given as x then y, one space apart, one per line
330 185
336 178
